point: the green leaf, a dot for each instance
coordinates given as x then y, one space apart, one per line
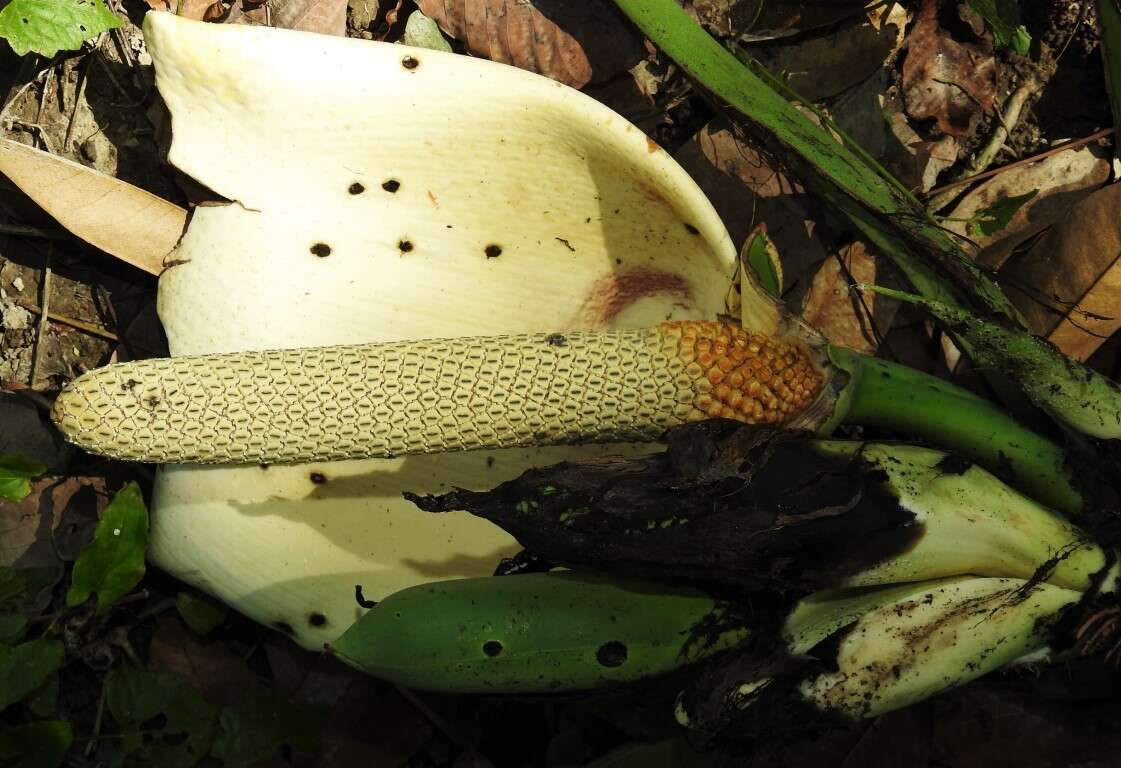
145 702
201 615
12 627
762 256
1003 18
25 668
989 221
16 472
37 745
113 563
47 26
254 731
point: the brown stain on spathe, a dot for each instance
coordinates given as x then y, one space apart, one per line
613 293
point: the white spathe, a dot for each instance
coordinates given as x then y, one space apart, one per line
384 193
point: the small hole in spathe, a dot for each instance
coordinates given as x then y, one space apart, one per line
612 654
410 62
317 620
356 188
391 185
492 648
691 229
318 478
321 250
493 251
404 246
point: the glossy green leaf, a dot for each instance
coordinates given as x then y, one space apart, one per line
990 220
26 667
46 27
1003 18
254 731
36 745
142 702
17 472
201 615
113 564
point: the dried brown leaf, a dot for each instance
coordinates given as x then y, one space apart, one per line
354 700
1068 286
188 9
1063 180
573 41
825 65
945 80
839 312
50 521
206 664
123 220
327 17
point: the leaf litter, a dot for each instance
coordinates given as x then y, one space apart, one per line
923 94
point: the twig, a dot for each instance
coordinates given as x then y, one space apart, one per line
48 78
81 325
94 737
1072 144
44 318
983 159
37 130
79 93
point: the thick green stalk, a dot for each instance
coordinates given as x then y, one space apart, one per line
929 257
886 394
778 122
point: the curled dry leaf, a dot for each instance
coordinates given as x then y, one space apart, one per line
1068 286
188 9
834 61
574 41
769 19
945 80
327 17
1063 180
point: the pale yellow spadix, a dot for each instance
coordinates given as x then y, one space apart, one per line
385 193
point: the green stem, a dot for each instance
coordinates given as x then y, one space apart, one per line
881 393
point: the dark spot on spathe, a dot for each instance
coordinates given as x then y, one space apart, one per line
317 619
321 250
492 648
410 62
356 188
493 251
318 478
391 185
404 246
612 654
953 464
691 229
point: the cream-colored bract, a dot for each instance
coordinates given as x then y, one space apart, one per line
384 193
